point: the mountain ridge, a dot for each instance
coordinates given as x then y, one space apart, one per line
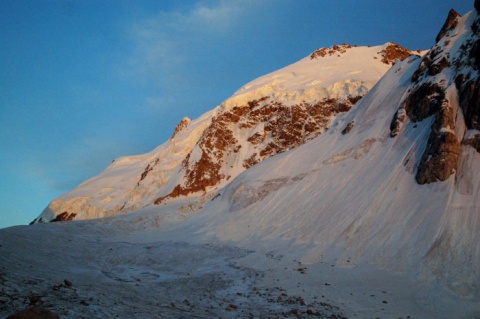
374 216
403 166
267 116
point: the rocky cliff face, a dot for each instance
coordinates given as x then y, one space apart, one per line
269 127
445 86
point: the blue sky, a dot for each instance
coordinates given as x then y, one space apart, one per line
83 82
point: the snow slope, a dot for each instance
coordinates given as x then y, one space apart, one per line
267 116
379 220
359 196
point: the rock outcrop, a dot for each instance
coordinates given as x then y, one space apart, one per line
335 49
450 23
436 93
270 128
388 55
394 52
180 126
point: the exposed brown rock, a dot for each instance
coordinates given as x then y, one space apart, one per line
469 98
440 159
148 169
34 313
180 126
424 64
348 128
284 128
450 23
424 101
438 66
445 117
397 122
249 162
394 52
473 142
335 49
432 63
65 216
257 138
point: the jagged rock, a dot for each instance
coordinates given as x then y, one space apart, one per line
475 54
34 313
284 128
438 66
65 216
450 23
469 98
335 49
432 63
424 64
473 142
149 168
394 52
389 55
348 128
440 159
424 101
180 126
477 5
459 81
397 122
445 117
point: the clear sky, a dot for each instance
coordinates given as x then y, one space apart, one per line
83 82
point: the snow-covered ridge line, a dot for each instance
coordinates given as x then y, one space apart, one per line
334 72
267 116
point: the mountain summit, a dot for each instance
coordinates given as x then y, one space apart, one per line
345 183
371 157
270 115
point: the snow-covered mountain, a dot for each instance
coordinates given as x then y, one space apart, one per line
400 190
341 184
384 171
270 115
389 174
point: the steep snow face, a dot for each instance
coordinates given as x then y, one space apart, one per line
358 195
270 115
281 111
121 185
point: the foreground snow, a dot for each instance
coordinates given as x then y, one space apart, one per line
127 268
